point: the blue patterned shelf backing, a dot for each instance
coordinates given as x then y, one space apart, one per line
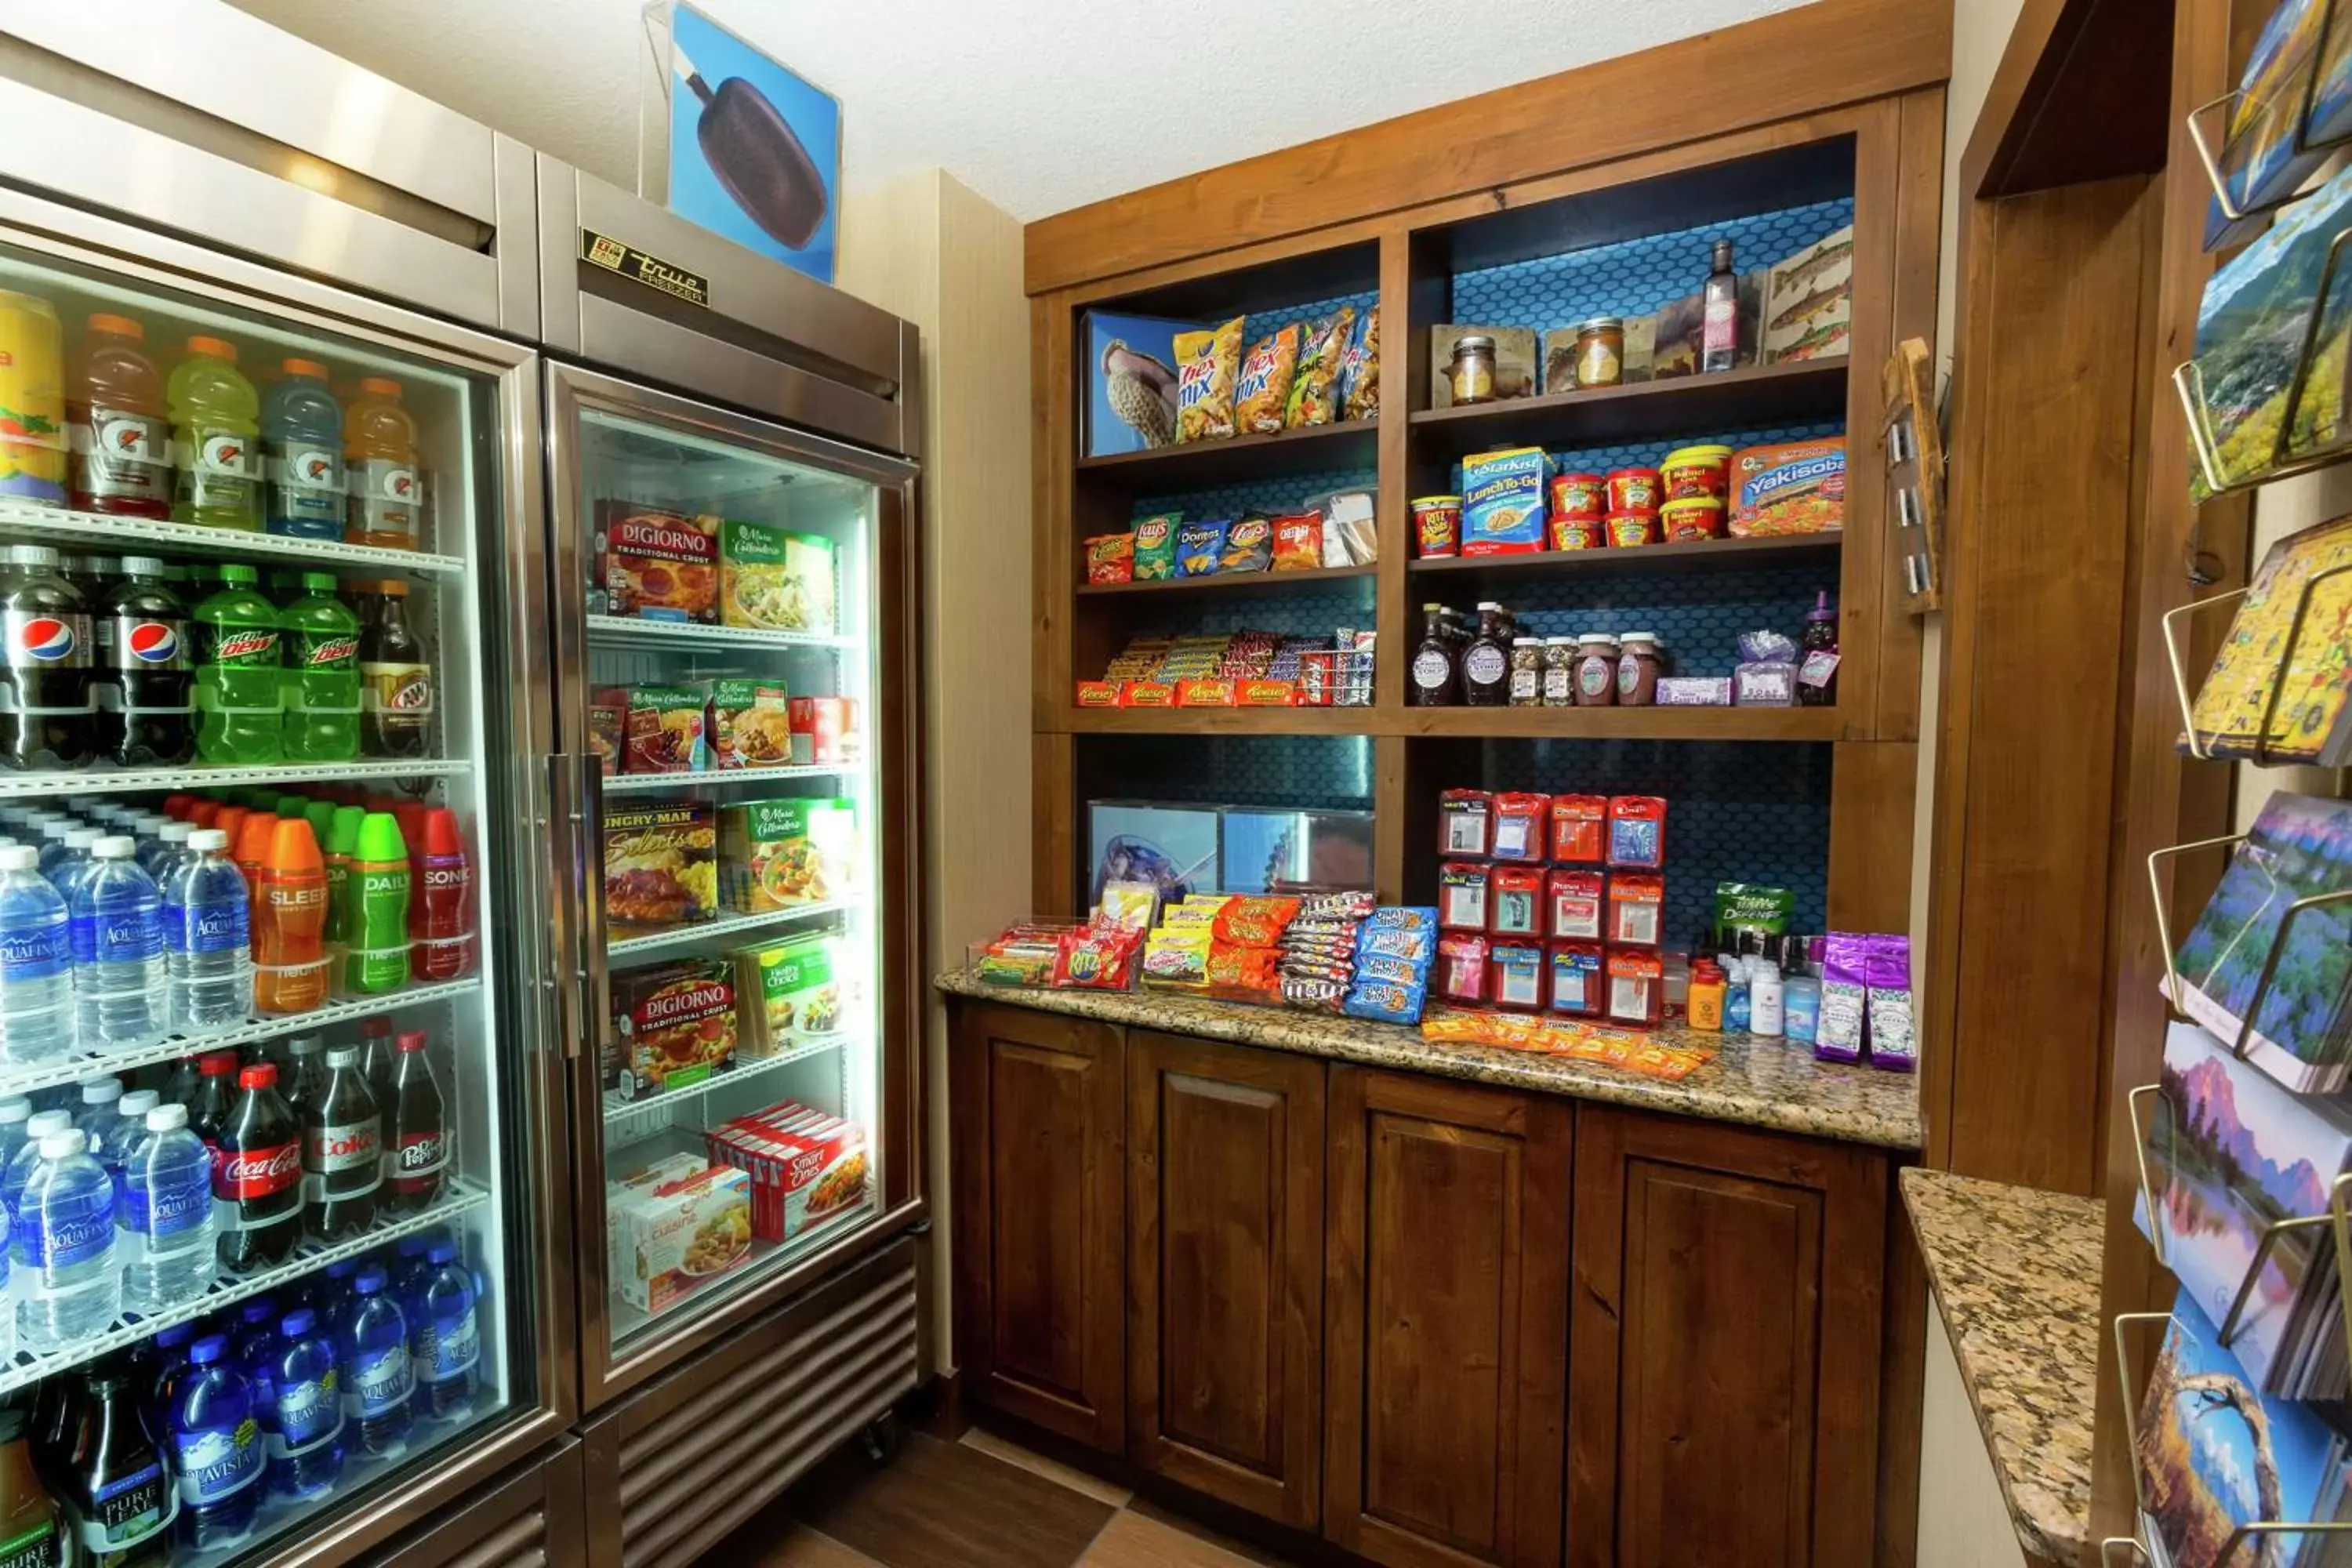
1316 613
1699 613
1736 812
1635 277
1304 771
1271 496
1650 454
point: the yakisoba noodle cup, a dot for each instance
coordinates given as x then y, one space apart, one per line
1580 496
1692 472
1696 517
1634 490
1437 525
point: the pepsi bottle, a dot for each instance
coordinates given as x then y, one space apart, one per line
45 663
145 679
303 1423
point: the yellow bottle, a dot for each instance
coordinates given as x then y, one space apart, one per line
32 402
1706 988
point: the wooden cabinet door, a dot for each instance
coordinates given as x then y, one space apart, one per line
1039 1239
1724 1407
1446 1314
1225 1274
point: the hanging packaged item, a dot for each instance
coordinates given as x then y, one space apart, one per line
1637 831
1464 822
1576 908
1518 975
1636 907
1577 985
1637 991
1578 829
1515 895
1461 968
1462 895
1521 827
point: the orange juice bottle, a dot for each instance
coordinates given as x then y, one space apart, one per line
290 949
32 401
380 459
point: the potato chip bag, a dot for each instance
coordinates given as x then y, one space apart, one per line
1360 372
1249 545
1264 389
1206 364
1312 390
1155 545
1298 542
1110 558
1198 546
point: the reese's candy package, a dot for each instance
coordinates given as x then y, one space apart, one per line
1314 390
1155 546
1249 545
1207 364
1360 372
1197 547
1263 391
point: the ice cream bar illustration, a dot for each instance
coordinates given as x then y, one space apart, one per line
756 156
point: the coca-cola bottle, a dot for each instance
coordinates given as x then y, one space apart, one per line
419 1133
343 1149
258 1173
215 1097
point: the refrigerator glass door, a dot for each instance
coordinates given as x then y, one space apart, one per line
426 1272
729 614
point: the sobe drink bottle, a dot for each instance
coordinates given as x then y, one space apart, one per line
61 1248
379 446
121 445
302 434
166 1213
376 937
216 1447
31 1523
45 640
143 693
304 1425
239 704
121 1002
290 954
322 674
343 1151
207 938
258 1175
419 1133
37 1021
372 1342
445 1341
441 914
215 434
120 1490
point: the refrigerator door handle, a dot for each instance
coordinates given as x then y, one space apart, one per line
561 827
594 973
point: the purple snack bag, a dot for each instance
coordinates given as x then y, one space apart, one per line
1886 972
1845 997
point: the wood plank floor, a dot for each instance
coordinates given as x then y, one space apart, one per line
980 1502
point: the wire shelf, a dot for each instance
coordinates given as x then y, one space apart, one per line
618 1106
145 536
630 630
729 778
123 781
725 925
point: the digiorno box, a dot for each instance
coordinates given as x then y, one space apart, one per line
673 1024
775 854
661 864
789 993
669 1237
775 580
655 564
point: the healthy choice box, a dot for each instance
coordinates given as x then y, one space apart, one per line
779 854
789 993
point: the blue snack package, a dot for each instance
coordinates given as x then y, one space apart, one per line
1388 966
1197 547
1503 500
1402 917
1418 946
1386 1001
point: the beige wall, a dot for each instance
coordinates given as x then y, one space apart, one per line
926 248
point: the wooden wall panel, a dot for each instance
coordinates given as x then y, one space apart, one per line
1871 819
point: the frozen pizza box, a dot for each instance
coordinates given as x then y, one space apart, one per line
654 564
673 1024
775 580
791 994
669 1238
776 854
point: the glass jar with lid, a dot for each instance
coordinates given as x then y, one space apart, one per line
1559 672
1526 672
1470 377
1601 352
1638 664
1596 670
1487 661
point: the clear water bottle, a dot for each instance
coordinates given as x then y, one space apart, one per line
130 1126
372 1346
208 947
167 1215
37 1018
304 1425
161 855
15 1112
101 1098
216 1447
444 1339
121 1002
28 1158
61 1248
53 840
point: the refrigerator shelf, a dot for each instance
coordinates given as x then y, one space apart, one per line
630 630
122 780
25 1080
765 1259
25 1368
725 925
617 1106
732 778
141 535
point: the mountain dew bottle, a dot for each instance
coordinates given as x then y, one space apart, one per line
322 674
238 703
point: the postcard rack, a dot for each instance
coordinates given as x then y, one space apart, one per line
2196 748
2189 382
2270 958
2306 90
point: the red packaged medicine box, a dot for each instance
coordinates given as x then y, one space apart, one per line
1637 831
1578 827
1461 968
1464 822
1576 905
1636 902
1521 826
1514 898
1517 979
1637 987
1462 895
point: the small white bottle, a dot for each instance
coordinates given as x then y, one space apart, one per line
1764 999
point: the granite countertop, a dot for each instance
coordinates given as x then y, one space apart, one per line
2015 1274
1757 1083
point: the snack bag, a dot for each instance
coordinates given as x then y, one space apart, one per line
1249 545
1155 546
1110 558
1360 372
1313 389
1264 390
1199 546
1298 542
1207 364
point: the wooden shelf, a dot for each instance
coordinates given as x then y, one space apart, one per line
1232 581
1223 721
1352 444
1797 724
1495 574
1697 406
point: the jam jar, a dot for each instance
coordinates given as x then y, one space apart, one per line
1601 352
1596 670
1470 378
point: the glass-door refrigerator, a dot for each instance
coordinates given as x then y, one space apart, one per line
731 517
273 577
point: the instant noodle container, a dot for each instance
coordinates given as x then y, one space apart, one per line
1437 525
1581 495
1690 472
1699 517
1634 490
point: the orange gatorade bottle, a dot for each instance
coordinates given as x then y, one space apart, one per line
380 459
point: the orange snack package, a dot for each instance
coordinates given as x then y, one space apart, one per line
1263 393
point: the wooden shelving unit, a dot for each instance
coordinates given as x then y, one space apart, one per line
1495 574
1795 725
1317 446
1592 417
1231 582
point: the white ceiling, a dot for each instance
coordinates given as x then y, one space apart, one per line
1039 105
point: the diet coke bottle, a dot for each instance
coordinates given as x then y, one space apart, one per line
419 1133
258 1173
343 1149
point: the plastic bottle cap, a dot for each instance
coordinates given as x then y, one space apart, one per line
291 849
20 858
443 1252
260 1075
208 1350
393 588
1638 636
63 1145
98 1091
441 836
304 367
178 832
16 1108
219 1064
380 386
343 1057
120 326
319 582
31 555
238 571
219 348
167 1118
139 1102
370 1282
412 1040
299 1322
258 1309
203 841
82 837
121 846
380 838
306 1046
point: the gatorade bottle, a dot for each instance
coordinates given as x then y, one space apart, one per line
144 715
291 805
441 915
288 954
380 444
215 428
32 402
322 674
122 444
239 705
376 938
302 432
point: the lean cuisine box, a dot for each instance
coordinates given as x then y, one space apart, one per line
670 1234
805 1167
776 854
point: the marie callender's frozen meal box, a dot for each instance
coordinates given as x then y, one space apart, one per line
661 866
654 564
775 854
775 580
